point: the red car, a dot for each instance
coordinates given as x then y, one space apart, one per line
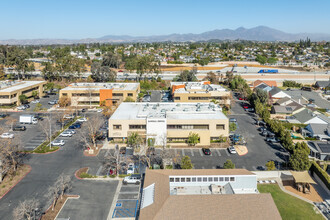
240 98
246 106
206 151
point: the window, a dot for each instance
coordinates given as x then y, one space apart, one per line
171 180
193 179
188 179
137 126
176 98
4 97
204 179
117 94
201 127
177 179
183 179
199 179
130 94
226 179
64 94
220 179
216 179
221 127
116 127
198 98
232 179
210 179
188 127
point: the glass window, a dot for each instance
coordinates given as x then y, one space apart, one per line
216 179
171 179
232 179
221 179
204 179
188 179
199 179
210 179
193 179
177 179
226 179
183 179
221 127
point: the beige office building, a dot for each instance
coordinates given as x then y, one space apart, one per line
199 92
95 94
169 123
11 90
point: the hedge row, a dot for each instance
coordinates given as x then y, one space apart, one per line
324 176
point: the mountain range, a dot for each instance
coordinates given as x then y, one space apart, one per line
260 33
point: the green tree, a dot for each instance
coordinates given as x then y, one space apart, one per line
232 126
261 59
299 159
186 163
229 164
210 76
193 138
22 98
129 99
134 140
186 76
38 107
35 94
270 165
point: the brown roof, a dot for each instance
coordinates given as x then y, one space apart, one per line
267 82
302 177
237 206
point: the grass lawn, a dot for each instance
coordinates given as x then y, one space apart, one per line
289 206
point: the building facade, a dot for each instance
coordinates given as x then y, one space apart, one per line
10 91
95 94
199 92
169 123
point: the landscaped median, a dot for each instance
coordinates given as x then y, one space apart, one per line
45 148
289 206
82 173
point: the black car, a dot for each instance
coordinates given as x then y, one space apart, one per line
19 128
206 151
45 96
3 115
27 106
83 110
122 150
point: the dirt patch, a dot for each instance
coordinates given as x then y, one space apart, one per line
80 171
10 181
51 214
313 195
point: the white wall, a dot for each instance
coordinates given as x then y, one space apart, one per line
157 128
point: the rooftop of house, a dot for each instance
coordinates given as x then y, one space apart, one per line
10 86
321 147
159 203
199 87
98 86
185 111
267 82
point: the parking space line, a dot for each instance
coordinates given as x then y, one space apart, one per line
227 153
192 152
254 168
183 154
218 152
200 152
99 171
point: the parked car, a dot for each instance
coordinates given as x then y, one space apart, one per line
22 107
232 150
52 102
27 106
130 169
19 128
249 109
45 96
246 106
58 142
206 151
35 101
82 119
75 125
264 133
262 129
261 168
68 117
66 134
233 120
132 179
122 150
7 136
271 139
3 115
100 110
39 117
72 131
83 110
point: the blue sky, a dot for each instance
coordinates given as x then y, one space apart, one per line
75 19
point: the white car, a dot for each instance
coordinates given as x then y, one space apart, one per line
100 110
232 150
82 119
35 101
66 134
130 169
7 135
58 142
132 179
72 131
22 107
68 116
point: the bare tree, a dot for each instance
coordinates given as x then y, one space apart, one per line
26 209
52 194
64 184
45 126
89 135
11 121
10 154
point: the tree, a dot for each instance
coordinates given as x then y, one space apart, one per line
193 138
111 60
299 159
210 76
102 73
64 101
38 107
45 126
229 164
261 59
270 165
232 126
90 134
26 210
64 183
134 139
22 98
35 94
186 163
52 194
129 99
186 76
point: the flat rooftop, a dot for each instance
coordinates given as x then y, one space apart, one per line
98 86
11 86
201 87
186 111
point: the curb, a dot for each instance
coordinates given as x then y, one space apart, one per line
17 182
75 197
46 152
75 174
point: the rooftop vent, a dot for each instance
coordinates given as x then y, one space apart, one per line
185 110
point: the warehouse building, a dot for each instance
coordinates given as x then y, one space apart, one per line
199 92
169 123
10 91
204 194
95 94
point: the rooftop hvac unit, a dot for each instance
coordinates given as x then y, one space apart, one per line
185 110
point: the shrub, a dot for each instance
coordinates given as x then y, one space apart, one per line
321 173
169 167
86 175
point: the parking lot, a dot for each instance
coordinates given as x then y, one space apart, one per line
127 203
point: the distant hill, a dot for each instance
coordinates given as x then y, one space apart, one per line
260 33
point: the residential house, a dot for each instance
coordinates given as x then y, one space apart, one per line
320 131
277 93
319 150
307 116
269 83
322 84
286 106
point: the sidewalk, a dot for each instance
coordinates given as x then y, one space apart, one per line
108 145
